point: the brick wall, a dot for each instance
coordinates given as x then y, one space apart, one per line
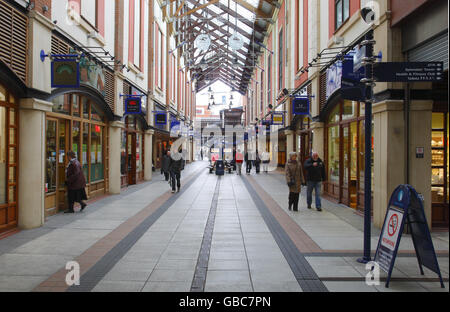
39 4
119 31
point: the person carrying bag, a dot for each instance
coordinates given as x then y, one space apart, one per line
294 179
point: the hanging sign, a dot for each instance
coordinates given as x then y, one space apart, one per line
278 119
300 106
160 118
65 73
406 208
133 105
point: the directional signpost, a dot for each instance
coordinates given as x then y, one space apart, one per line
408 71
406 209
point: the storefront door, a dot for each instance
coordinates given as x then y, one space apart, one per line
56 162
345 166
9 169
131 147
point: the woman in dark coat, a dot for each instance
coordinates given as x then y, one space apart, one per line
294 179
76 183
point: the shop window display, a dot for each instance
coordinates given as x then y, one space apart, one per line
73 125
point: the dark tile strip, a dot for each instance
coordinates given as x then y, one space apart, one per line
303 272
98 271
383 279
198 283
357 254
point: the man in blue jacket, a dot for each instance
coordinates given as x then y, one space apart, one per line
315 175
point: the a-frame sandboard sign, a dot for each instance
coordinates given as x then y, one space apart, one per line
406 208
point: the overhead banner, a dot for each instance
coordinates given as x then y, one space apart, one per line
65 73
344 77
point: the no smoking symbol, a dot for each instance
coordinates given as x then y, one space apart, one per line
393 225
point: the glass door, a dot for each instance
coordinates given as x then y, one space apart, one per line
51 159
353 174
345 165
131 152
63 148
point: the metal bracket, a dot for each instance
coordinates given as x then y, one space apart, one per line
132 95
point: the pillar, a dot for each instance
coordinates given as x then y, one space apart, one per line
318 144
115 128
32 161
290 135
148 155
420 136
389 155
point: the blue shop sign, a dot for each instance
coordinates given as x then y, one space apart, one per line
300 106
133 105
160 118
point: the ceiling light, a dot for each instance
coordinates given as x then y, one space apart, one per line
236 42
203 42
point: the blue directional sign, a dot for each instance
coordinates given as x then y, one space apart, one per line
408 71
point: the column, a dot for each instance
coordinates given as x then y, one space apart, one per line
290 136
389 155
148 155
420 136
115 144
318 145
32 161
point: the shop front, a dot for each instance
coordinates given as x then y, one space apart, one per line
8 160
76 123
440 160
344 153
132 151
304 138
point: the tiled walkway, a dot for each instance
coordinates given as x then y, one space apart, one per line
227 234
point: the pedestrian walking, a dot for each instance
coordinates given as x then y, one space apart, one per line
315 175
165 165
76 183
239 161
248 162
175 168
265 158
295 179
257 162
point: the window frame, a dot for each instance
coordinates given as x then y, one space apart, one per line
343 11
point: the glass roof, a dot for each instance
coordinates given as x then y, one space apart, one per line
221 20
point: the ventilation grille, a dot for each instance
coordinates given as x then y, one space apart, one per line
323 90
59 46
13 40
109 90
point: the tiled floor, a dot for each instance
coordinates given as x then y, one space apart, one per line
251 247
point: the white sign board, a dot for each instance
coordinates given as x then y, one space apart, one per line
392 229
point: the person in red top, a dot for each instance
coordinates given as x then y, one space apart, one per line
239 161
